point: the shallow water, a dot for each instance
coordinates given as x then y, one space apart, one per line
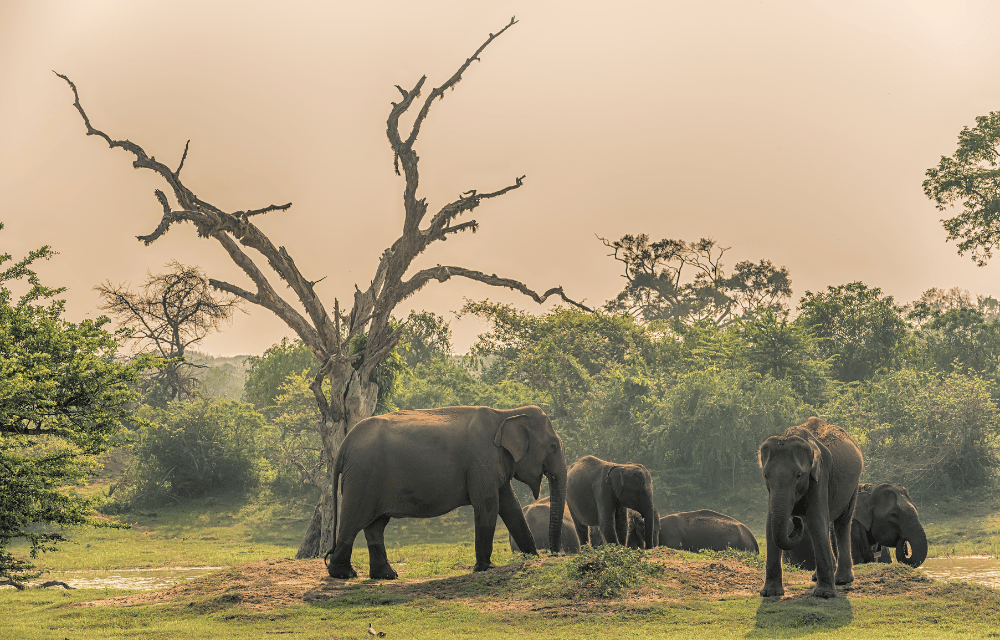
139 579
978 569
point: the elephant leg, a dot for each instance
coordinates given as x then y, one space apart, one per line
607 519
621 523
513 518
583 533
772 570
486 525
842 538
378 560
339 565
823 550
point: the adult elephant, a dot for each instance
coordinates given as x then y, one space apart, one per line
425 463
537 516
811 473
599 494
705 529
884 517
637 530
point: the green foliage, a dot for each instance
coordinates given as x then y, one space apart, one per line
969 178
714 420
937 433
426 338
659 287
191 449
611 569
961 339
268 372
448 382
388 374
63 399
861 330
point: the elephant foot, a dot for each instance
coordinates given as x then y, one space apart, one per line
771 590
843 580
483 566
343 571
383 572
824 591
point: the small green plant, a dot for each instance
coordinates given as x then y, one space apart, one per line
750 559
611 569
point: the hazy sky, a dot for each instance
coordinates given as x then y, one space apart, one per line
788 130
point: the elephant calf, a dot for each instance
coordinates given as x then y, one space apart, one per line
537 516
637 530
599 493
705 529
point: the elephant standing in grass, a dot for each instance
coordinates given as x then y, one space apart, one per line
705 529
599 494
884 517
537 516
425 463
811 473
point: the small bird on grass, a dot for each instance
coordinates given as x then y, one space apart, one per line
373 632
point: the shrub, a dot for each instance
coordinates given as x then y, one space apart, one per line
929 431
611 569
193 449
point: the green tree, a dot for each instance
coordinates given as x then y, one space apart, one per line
267 373
191 449
685 282
63 399
426 337
970 178
929 431
963 340
860 329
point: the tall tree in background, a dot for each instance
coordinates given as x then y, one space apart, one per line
168 314
971 178
686 282
860 329
63 397
350 346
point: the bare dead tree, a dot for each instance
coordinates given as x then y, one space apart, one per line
169 313
352 393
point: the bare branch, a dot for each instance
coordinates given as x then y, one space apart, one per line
443 273
183 158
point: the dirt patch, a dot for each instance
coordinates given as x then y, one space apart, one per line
273 584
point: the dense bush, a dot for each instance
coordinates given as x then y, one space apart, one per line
192 449
929 431
714 420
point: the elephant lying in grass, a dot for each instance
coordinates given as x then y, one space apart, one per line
537 516
705 529
884 517
423 464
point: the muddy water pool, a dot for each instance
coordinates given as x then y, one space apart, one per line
139 579
978 569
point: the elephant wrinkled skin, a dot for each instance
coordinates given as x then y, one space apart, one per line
705 529
599 493
884 517
537 516
425 463
811 473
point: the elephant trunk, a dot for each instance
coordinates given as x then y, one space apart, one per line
777 520
913 533
557 505
651 525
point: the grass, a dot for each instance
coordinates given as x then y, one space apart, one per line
598 594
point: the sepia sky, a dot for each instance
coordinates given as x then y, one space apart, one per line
789 130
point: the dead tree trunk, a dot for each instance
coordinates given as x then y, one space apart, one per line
352 396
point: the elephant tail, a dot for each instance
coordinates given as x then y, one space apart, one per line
336 510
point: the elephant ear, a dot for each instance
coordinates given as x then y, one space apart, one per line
617 478
513 436
817 461
863 510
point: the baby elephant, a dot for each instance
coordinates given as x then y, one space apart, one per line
637 530
705 529
537 515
